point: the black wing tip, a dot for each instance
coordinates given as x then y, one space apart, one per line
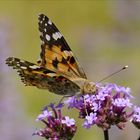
9 60
41 16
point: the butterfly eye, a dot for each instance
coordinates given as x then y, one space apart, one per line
39 61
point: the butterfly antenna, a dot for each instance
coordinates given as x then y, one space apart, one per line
125 67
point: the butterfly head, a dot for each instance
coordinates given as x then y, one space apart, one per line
89 88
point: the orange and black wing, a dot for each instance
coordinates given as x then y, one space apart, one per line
56 55
34 75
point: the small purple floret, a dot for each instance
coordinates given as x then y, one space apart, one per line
44 115
90 120
68 121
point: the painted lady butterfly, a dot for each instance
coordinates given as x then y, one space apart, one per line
57 70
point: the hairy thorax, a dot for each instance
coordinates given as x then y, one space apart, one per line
86 86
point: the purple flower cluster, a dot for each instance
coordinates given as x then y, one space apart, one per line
105 108
110 105
56 126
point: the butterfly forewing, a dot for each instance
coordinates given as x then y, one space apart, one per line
56 55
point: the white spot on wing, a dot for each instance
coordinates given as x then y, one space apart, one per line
22 61
45 24
49 22
22 67
34 67
71 53
68 53
42 42
51 74
18 64
41 21
48 37
57 35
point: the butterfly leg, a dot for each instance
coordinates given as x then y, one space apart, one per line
85 106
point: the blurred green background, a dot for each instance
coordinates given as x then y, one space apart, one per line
104 35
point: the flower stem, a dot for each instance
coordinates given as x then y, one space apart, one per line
106 136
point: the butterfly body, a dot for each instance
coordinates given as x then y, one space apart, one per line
57 70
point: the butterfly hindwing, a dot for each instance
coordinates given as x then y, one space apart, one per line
56 55
34 75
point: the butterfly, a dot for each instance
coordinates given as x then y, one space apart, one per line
58 69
